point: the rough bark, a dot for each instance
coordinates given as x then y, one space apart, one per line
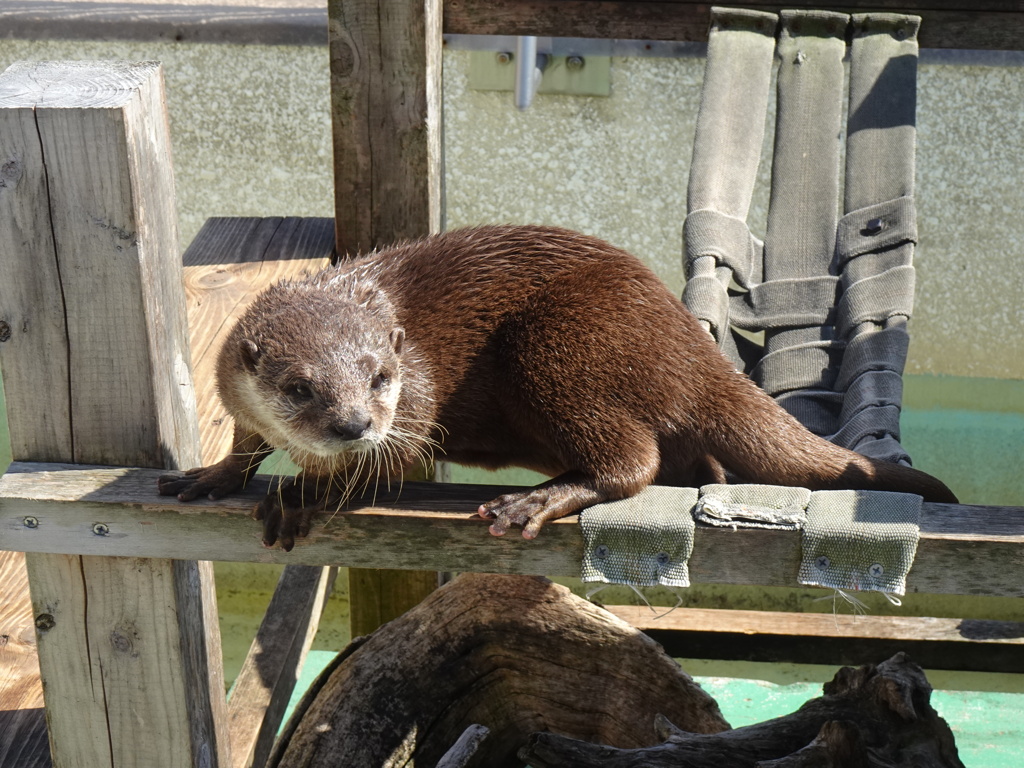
515 654
869 717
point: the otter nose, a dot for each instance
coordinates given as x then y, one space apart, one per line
352 428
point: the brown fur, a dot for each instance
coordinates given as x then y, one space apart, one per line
527 346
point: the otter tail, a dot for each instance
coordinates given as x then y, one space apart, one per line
765 444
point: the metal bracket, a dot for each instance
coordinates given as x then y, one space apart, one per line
529 69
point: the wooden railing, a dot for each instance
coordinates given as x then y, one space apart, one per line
76 509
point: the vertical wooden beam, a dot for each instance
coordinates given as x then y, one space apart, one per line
95 364
265 683
386 112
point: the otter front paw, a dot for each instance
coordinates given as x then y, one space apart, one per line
214 482
528 510
284 518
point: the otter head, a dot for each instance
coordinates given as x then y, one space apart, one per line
316 368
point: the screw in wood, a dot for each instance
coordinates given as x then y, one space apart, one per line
100 529
31 522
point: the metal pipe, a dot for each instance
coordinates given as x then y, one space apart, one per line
529 70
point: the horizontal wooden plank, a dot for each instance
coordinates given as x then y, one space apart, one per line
172 22
963 550
823 625
825 638
946 23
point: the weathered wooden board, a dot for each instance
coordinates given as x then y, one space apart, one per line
265 683
386 110
135 674
106 237
963 549
988 24
833 639
227 265
125 646
23 743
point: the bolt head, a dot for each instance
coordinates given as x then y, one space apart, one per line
874 226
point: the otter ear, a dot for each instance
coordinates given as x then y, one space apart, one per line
250 353
397 339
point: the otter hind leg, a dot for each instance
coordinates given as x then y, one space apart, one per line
529 510
681 469
593 477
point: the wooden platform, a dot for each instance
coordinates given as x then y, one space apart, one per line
23 742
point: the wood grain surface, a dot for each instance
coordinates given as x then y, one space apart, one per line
946 23
22 717
963 549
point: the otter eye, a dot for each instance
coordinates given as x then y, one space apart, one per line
380 380
299 390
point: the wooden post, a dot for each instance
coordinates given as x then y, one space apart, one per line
94 356
386 110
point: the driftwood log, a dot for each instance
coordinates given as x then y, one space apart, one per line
515 654
556 681
870 717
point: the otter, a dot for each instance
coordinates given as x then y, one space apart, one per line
526 346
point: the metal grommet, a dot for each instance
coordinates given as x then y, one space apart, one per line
822 563
601 551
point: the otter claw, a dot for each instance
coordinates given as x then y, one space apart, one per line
283 522
214 482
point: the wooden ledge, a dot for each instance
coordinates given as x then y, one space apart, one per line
983 24
116 511
824 638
